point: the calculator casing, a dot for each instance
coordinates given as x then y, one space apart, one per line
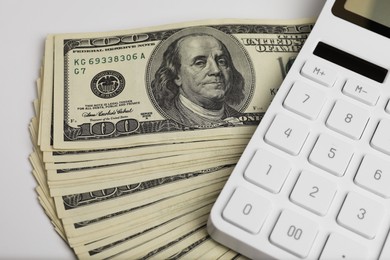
357 41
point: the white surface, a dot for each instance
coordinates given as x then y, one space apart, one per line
25 231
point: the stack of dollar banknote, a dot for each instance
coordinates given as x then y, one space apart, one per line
137 131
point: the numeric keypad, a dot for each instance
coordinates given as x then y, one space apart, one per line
321 166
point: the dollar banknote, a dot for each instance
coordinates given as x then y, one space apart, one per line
81 206
136 131
130 239
58 157
177 82
92 231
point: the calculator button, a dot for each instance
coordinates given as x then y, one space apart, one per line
340 247
313 192
381 138
331 155
385 254
361 215
319 73
367 94
387 109
305 100
267 170
247 210
294 233
348 119
287 134
374 175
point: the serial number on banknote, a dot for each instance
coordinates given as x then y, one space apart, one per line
104 60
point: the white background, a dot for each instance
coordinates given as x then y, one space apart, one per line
25 231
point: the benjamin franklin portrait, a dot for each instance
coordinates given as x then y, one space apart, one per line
197 83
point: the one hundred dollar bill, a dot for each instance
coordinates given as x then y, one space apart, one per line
127 175
90 205
114 153
129 240
178 82
139 94
142 216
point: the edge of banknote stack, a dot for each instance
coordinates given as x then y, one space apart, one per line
118 174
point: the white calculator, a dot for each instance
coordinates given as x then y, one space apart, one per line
314 181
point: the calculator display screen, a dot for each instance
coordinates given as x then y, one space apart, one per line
370 14
375 10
